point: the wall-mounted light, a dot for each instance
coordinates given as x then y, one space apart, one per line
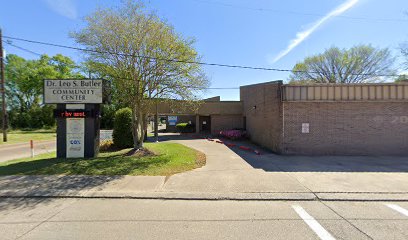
254 107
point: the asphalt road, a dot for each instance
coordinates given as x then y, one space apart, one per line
47 218
22 150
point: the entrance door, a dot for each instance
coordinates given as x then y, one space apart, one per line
205 124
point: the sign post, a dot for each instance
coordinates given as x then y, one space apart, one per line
78 121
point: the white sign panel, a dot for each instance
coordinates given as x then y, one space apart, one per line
73 91
305 128
75 137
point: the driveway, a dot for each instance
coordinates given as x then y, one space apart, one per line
226 171
342 173
236 170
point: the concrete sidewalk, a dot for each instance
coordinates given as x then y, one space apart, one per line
236 175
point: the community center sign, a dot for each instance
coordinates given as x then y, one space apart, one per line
73 91
78 115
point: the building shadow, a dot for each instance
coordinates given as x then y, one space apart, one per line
271 162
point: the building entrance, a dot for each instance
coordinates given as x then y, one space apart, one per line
205 124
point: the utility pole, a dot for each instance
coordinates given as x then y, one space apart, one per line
3 91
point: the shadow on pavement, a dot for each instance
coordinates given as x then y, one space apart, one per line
39 187
9 204
271 162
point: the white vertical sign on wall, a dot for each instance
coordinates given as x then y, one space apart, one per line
75 134
305 128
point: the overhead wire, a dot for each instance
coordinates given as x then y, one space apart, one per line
77 66
21 48
298 13
188 62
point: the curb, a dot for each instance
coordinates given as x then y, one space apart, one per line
362 197
165 195
259 196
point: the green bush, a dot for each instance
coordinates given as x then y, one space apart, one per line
122 128
185 127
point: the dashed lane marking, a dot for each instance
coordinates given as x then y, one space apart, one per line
397 208
313 224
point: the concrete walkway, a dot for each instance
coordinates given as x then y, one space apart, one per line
226 171
237 174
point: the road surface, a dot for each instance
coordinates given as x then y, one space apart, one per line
48 218
22 150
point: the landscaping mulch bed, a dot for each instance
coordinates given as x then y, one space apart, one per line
143 152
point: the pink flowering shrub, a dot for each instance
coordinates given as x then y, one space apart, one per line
232 134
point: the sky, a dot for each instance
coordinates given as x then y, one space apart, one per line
259 33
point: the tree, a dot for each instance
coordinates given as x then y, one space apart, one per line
404 51
402 78
25 78
359 64
24 86
144 57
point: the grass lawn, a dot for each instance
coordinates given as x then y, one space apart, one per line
20 136
168 159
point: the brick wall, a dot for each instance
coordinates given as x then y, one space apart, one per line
262 107
346 128
225 122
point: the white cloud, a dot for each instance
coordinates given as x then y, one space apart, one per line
303 35
65 8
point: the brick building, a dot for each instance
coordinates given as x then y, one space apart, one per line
321 119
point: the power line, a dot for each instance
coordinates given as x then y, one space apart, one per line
77 66
147 57
299 13
21 48
189 62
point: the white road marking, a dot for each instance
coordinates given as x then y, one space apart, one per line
313 224
397 208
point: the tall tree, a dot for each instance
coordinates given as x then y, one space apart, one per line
402 78
25 78
404 51
359 64
144 57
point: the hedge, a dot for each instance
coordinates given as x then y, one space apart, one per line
122 128
185 127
